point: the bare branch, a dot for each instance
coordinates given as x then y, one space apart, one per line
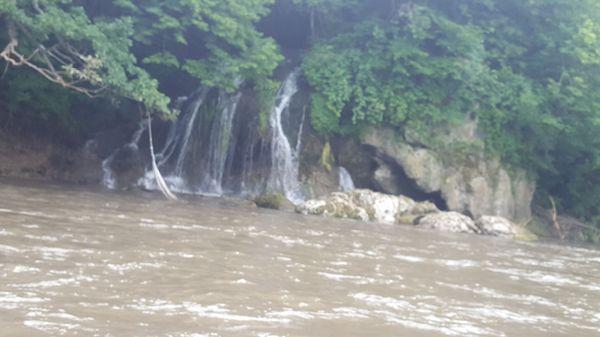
13 58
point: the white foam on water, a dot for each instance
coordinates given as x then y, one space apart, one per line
58 315
133 266
8 249
4 232
155 226
492 293
42 238
53 253
457 263
349 312
353 278
496 313
408 258
215 311
74 281
537 276
10 298
25 269
291 314
376 300
45 326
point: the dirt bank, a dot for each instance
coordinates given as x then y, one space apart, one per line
39 159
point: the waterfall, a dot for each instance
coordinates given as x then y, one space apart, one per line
108 176
194 162
219 149
177 145
109 179
211 149
189 127
346 182
284 157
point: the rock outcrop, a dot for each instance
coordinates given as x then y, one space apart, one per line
476 185
385 180
367 205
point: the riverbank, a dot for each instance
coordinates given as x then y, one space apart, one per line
39 159
34 159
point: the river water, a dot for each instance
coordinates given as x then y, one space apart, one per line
75 262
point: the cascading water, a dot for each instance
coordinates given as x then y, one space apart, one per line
219 149
211 149
285 158
345 180
194 162
109 179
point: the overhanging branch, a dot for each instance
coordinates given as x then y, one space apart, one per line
68 56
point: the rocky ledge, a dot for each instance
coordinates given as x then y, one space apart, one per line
366 205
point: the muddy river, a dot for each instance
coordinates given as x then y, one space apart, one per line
75 262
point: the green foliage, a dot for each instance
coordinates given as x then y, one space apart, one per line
266 93
214 41
88 54
527 71
384 75
34 99
231 48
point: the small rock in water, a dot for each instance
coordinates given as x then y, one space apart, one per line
275 201
497 226
449 222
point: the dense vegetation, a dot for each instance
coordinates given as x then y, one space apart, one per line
528 71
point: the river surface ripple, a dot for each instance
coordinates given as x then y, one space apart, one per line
83 263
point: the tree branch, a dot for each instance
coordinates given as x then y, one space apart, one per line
13 58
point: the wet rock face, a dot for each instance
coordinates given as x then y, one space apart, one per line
385 180
357 159
366 205
480 187
128 167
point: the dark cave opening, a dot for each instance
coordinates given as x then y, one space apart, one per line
407 186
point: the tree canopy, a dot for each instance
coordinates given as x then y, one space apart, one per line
527 71
101 47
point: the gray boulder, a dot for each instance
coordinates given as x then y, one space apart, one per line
449 222
497 226
366 205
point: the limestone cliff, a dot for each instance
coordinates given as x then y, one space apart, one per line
478 186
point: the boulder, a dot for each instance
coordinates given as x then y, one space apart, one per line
366 205
449 222
275 201
470 183
338 205
497 226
